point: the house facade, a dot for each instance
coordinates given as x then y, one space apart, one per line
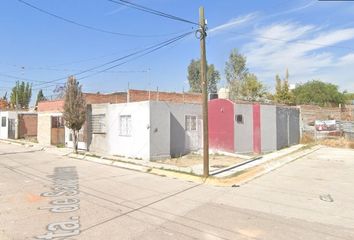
51 127
248 127
8 127
147 130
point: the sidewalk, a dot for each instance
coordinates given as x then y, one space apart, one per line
238 174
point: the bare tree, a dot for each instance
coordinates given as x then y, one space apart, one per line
74 109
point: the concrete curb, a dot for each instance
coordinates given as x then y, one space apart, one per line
110 162
278 163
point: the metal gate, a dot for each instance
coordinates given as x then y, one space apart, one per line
12 129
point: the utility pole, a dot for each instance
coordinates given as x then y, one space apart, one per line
203 69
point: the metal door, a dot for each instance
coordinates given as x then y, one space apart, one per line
12 129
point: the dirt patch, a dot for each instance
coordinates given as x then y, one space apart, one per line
339 143
215 160
307 138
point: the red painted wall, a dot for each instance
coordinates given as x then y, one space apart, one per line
256 128
221 125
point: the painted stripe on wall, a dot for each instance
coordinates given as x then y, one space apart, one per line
256 128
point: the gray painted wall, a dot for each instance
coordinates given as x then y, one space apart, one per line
181 141
294 127
288 127
244 132
159 130
268 128
282 127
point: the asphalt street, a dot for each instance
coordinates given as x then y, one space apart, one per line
47 196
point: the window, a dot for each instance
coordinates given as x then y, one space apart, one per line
125 125
57 122
190 123
98 124
3 122
239 118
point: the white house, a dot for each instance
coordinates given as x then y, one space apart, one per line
147 130
8 127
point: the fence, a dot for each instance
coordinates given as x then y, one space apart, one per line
338 130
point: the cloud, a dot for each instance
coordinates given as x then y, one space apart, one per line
293 10
235 22
308 51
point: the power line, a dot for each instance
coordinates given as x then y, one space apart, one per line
19 78
152 11
99 66
90 27
138 54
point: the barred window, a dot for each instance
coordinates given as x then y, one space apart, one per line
125 125
190 123
98 124
3 122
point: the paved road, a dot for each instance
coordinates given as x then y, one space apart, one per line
53 197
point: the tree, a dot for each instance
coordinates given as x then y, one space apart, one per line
282 90
319 93
213 77
74 109
40 97
236 72
21 94
251 89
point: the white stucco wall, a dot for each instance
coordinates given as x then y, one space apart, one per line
44 127
138 144
4 131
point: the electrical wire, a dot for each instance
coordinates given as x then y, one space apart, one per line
152 11
138 54
21 78
91 27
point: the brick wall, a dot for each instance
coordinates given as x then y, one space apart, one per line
3 104
51 106
121 97
27 125
310 113
91 98
142 95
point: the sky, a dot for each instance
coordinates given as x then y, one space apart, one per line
312 39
